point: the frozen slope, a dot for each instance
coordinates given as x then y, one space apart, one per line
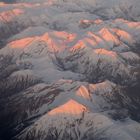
70 70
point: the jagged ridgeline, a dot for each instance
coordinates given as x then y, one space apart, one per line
69 70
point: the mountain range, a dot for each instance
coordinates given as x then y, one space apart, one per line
70 70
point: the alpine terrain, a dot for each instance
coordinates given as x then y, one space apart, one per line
70 70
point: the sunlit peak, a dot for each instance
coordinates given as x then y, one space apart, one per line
71 107
83 92
22 43
105 52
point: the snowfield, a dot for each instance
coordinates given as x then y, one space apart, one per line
70 70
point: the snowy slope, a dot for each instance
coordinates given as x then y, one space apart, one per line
70 70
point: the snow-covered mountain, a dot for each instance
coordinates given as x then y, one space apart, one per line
70 70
